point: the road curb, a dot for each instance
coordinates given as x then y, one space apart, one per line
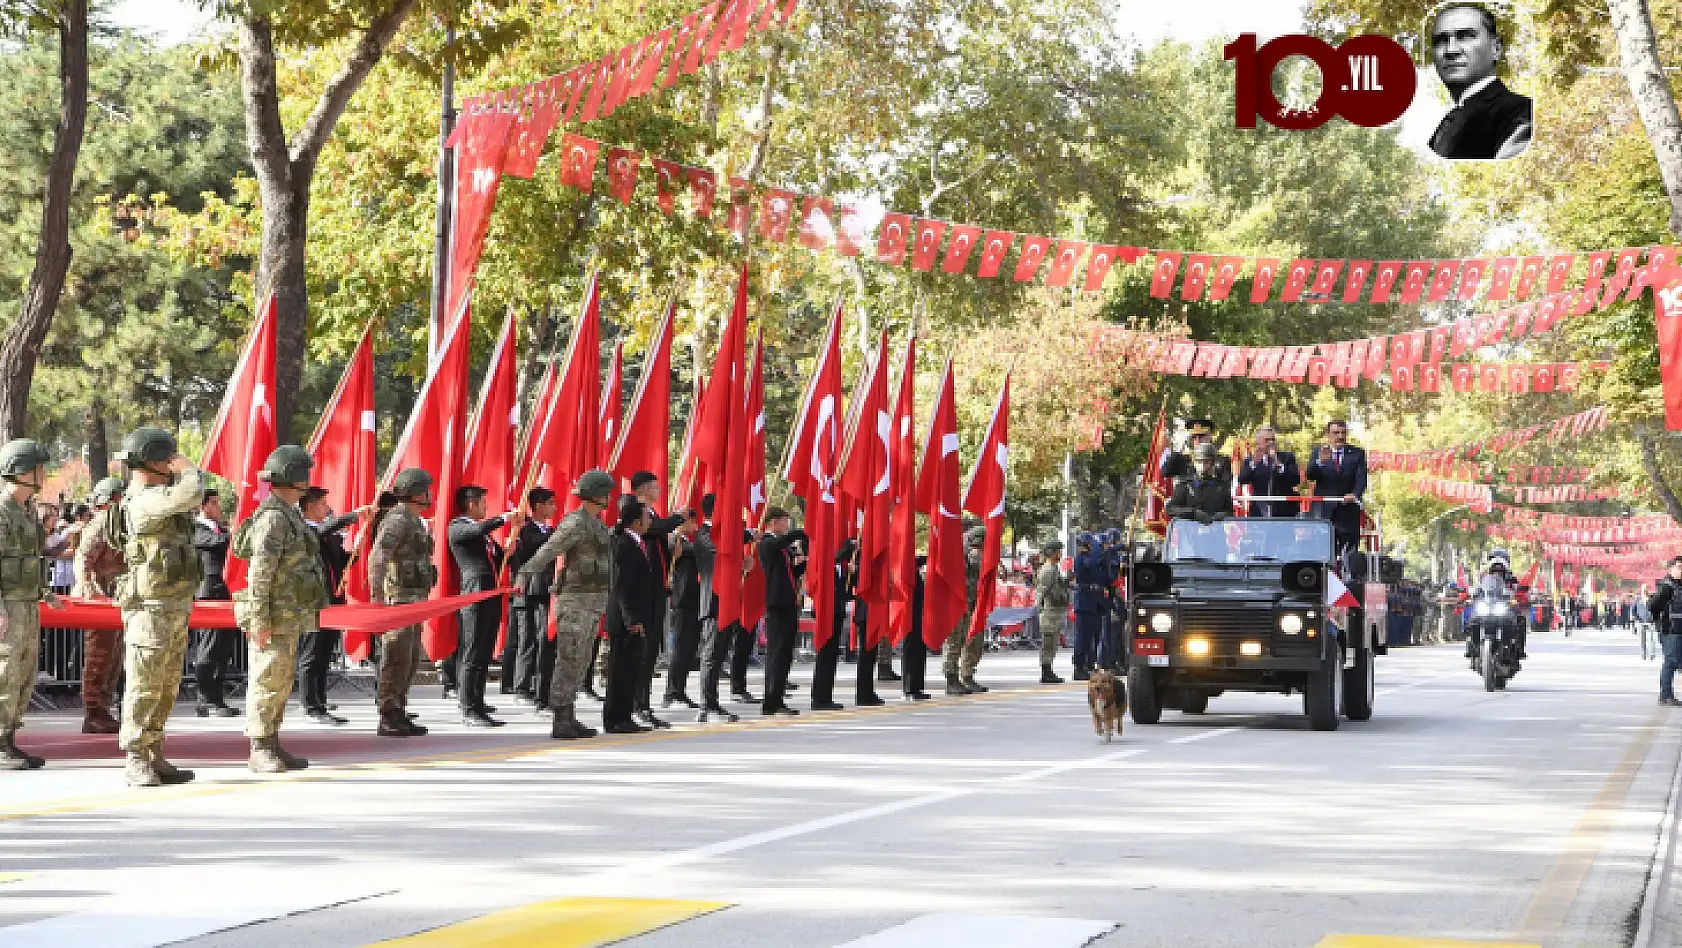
1659 875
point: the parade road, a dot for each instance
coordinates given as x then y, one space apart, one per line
1533 816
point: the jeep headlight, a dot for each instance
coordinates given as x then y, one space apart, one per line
1290 623
1161 622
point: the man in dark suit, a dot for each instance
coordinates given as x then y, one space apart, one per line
784 563
216 647
1488 119
1339 469
715 642
630 615
684 616
1270 472
315 649
528 657
915 661
477 557
645 487
823 667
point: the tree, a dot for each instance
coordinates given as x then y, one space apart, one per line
21 344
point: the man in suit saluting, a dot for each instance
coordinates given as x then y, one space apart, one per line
1270 472
1339 469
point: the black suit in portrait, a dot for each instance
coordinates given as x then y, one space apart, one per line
477 557
782 612
1272 479
1479 126
631 605
528 658
1339 476
315 649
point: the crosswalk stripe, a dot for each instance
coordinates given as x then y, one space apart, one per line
986 931
146 920
563 923
1401 941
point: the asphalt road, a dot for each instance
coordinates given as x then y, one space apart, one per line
1530 817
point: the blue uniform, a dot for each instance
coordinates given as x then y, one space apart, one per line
1092 606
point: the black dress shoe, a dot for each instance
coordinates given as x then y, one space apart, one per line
449 692
410 715
627 727
728 717
487 709
826 706
869 701
684 700
889 675
917 696
784 710
743 697
476 719
791 686
322 717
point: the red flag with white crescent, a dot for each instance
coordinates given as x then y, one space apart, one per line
243 435
985 498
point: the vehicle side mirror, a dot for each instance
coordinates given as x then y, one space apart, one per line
1305 577
1152 578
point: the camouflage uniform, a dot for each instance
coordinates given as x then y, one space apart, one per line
581 590
284 594
156 597
400 570
21 543
97 566
960 644
1051 594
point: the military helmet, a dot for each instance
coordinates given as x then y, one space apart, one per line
1084 538
1205 452
288 465
21 457
594 485
106 491
1054 546
411 482
975 536
146 446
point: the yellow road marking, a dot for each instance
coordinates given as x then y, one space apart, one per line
1550 907
1392 941
6 877
563 923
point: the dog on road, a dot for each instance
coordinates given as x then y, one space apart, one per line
1107 697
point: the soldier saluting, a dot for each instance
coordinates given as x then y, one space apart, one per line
22 541
1204 496
98 564
155 596
1174 464
400 570
282 601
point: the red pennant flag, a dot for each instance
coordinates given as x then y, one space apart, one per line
927 248
849 233
1542 378
1501 278
1461 337
1489 377
489 461
1597 262
1413 279
1319 369
813 459
1559 268
1063 265
1384 279
1325 279
1197 276
1377 349
1351 375
753 475
1518 378
817 223
993 249
1657 259
578 161
703 190
1529 274
1471 279
1163 274
481 155
1261 283
667 178
1226 273
1401 378
867 480
607 414
1667 312
1622 276
1296 278
957 252
344 448
569 441
891 238
776 209
938 485
1567 379
535 121
1430 377
1443 281
1356 281
985 497
622 164
902 472
1033 254
1464 377
243 436
642 444
722 434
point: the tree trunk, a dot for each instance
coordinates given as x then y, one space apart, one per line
1638 52
22 343
1655 474
93 436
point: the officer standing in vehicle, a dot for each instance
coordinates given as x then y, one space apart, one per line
580 597
282 601
1051 595
1175 464
963 651
98 564
22 542
156 597
1204 496
400 570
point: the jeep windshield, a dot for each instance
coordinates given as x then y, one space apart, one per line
1245 541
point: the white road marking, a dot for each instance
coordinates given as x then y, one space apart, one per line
987 931
1202 735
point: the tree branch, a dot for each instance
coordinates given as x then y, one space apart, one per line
1639 54
315 131
265 137
1650 463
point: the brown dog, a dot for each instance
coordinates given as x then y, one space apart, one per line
1107 698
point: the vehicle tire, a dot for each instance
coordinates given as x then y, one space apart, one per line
1321 698
1359 686
1194 702
1144 703
1491 671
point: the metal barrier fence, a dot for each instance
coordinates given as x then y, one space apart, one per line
60 664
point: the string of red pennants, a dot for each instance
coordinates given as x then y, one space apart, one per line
1440 460
1547 474
1565 494
1616 529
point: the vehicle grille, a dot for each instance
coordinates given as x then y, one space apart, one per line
1227 620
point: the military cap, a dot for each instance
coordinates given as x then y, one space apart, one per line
594 485
106 491
21 457
288 466
1200 426
146 446
411 482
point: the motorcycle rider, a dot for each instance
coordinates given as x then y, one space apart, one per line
1497 583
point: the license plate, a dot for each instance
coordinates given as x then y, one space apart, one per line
1149 647
1159 660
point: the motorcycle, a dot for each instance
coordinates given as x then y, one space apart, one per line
1494 638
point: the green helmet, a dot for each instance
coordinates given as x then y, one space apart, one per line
411 482
594 485
106 491
288 465
146 446
1055 546
975 536
22 457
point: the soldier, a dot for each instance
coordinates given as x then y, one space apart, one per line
22 542
155 596
1204 496
960 676
1091 599
400 570
282 601
1176 465
580 597
98 564
1051 595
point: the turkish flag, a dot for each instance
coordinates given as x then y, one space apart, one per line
622 164
753 475
668 176
601 76
1499 323
1542 377
1483 330
1377 349
1550 311
1440 337
532 128
776 210
1443 281
1489 377
1501 278
1325 279
1567 378
1471 279
817 223
1163 274
1622 275
243 436
1597 262
1657 259
1384 279
344 449
867 482
1530 271
1417 342
1296 278
642 444
1033 254
1667 313
1413 279
849 233
568 442
703 190
985 497
1319 368
1462 337
1401 378
578 161
489 461
1226 273
433 440
813 457
1518 378
1356 281
1261 282
927 248
938 486
891 239
957 252
736 217
902 472
1180 357
1465 376
1430 377
607 415
1351 374
481 152
1197 276
1559 268
721 435
1208 363
1522 315
994 246
1063 264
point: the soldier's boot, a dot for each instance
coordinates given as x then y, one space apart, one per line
970 683
264 758
166 771
293 761
954 686
1049 677
11 758
567 727
415 730
97 720
394 723
138 772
